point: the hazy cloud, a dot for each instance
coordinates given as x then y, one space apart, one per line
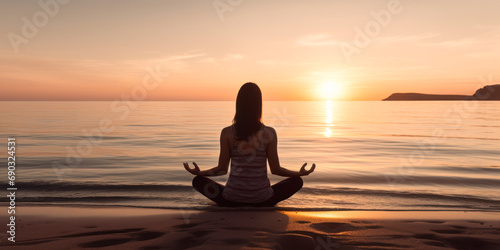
322 39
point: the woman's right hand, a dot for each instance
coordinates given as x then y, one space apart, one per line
303 170
194 171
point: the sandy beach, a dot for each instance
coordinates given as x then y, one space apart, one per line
67 227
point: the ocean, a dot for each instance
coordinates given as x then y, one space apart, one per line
370 155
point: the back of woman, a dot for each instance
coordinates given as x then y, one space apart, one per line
248 181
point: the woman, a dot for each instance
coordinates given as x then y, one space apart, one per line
248 143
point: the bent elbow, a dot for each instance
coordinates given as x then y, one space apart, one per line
221 171
275 171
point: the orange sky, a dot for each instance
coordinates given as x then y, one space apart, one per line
205 50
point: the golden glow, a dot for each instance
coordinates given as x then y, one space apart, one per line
328 132
392 215
329 118
330 91
329 112
323 215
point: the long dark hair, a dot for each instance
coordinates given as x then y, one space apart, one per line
248 118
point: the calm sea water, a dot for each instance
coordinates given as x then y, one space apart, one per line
369 155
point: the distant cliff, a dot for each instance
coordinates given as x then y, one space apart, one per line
487 93
423 97
490 92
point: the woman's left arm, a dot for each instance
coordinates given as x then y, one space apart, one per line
224 158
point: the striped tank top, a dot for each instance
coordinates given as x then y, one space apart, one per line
248 181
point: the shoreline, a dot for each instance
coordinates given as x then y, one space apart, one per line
215 208
63 227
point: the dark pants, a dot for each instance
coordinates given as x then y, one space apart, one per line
213 190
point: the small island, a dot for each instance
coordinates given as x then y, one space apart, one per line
487 93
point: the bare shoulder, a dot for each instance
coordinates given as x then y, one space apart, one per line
270 130
226 132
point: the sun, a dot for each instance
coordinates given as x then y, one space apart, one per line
329 91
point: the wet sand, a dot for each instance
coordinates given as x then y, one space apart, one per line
67 227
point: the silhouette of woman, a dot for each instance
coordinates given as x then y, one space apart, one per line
248 143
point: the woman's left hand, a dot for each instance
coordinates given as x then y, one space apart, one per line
194 171
303 170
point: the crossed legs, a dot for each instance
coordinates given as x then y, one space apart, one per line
213 190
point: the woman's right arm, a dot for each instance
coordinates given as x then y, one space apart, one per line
274 162
224 157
